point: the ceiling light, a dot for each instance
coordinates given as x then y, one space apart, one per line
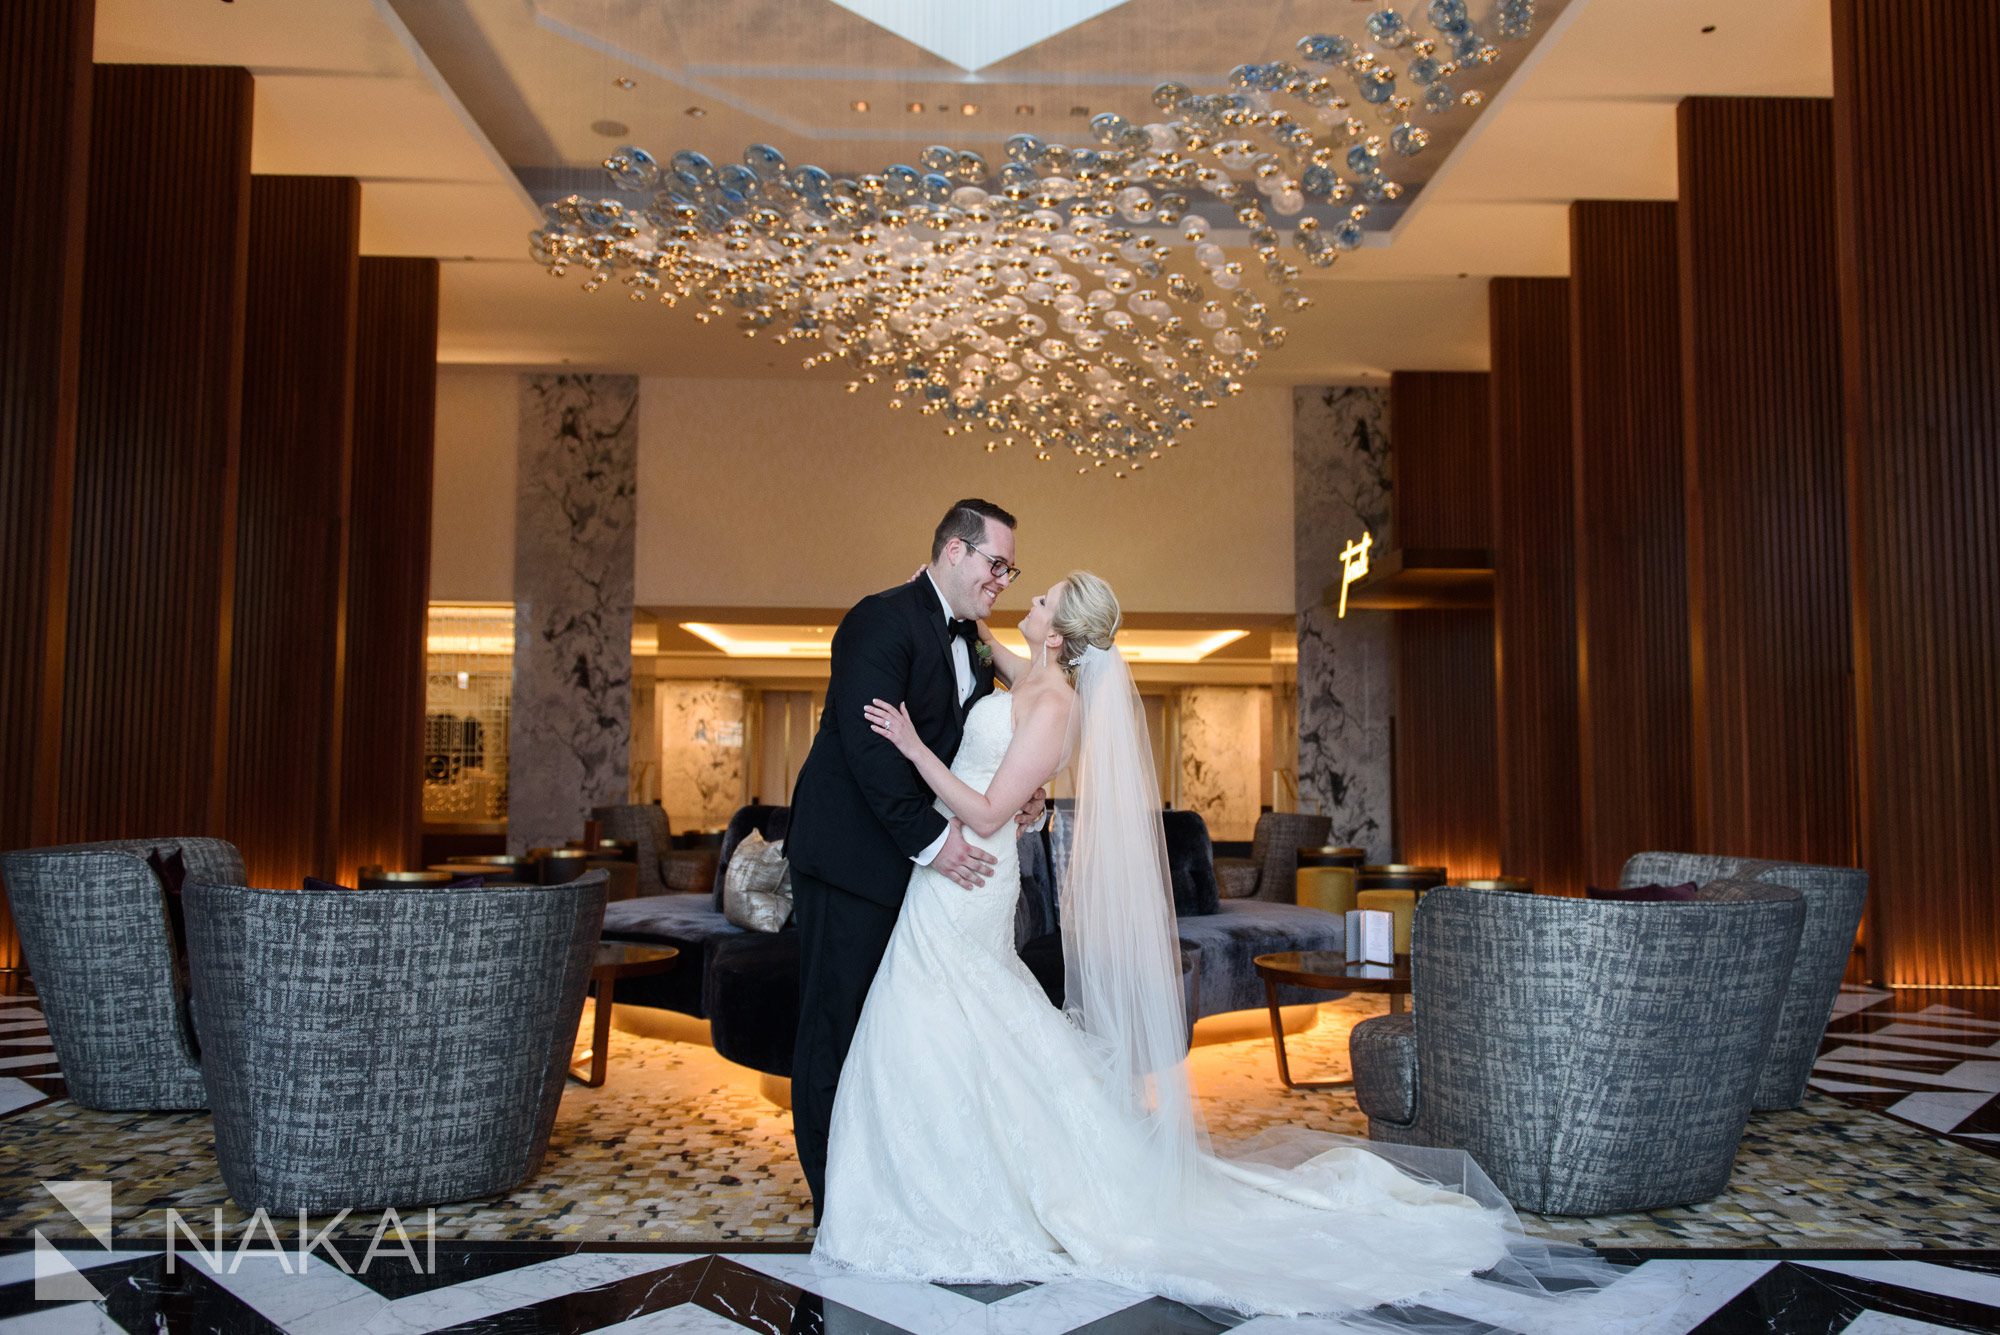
627 84
914 107
759 641
891 278
858 104
816 642
969 109
697 111
975 36
1157 646
611 129
1024 110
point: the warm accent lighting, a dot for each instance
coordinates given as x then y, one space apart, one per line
816 642
762 641
1353 566
488 628
914 107
859 104
969 109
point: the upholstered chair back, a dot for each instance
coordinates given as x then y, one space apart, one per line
643 825
389 1047
1596 1056
95 925
1274 849
1834 900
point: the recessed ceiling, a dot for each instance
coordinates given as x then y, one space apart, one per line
973 38
432 104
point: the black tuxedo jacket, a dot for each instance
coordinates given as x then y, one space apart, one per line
860 811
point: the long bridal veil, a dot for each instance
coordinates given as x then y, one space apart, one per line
1121 952
1124 993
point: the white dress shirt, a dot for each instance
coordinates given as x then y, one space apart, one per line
961 666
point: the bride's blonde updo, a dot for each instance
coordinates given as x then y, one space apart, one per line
1087 618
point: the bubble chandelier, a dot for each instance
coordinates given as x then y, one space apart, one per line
1048 302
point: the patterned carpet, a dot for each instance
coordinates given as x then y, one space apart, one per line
680 1147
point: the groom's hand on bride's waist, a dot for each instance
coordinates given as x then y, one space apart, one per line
1030 816
959 860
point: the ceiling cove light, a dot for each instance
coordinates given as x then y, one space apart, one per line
816 642
975 36
1072 300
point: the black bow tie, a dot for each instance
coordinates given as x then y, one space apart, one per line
964 630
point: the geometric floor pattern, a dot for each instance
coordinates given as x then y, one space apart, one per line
1936 1066
503 1287
680 1147
1927 1066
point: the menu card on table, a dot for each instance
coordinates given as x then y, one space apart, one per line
1371 937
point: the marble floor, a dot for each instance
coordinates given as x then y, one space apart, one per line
670 1203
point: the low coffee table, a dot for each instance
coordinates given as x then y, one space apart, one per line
1330 970
614 960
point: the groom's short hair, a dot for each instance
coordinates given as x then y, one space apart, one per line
966 521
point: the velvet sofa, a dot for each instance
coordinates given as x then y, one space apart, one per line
745 984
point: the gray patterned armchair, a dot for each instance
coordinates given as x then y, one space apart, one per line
386 1047
644 826
1592 1057
94 925
1834 898
1270 871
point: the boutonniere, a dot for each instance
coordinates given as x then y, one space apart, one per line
984 652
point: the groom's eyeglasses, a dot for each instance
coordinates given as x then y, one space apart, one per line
1003 572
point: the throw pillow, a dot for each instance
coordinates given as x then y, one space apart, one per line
757 886
1646 894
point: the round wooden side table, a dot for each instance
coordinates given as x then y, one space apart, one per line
614 960
1329 970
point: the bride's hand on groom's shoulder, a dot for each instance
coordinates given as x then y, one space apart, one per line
893 722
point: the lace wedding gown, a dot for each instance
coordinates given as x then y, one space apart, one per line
975 1139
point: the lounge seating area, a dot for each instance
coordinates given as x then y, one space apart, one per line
495 492
744 983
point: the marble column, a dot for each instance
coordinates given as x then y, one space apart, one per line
1346 676
572 706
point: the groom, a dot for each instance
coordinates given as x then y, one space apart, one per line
861 816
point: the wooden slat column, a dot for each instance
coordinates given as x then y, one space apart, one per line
388 575
1918 209
1534 584
1634 709
44 159
291 552
1447 806
1766 486
152 546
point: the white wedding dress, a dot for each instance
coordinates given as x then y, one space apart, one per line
976 1138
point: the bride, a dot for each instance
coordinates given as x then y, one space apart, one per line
982 1135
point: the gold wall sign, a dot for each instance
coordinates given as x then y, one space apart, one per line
1353 566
